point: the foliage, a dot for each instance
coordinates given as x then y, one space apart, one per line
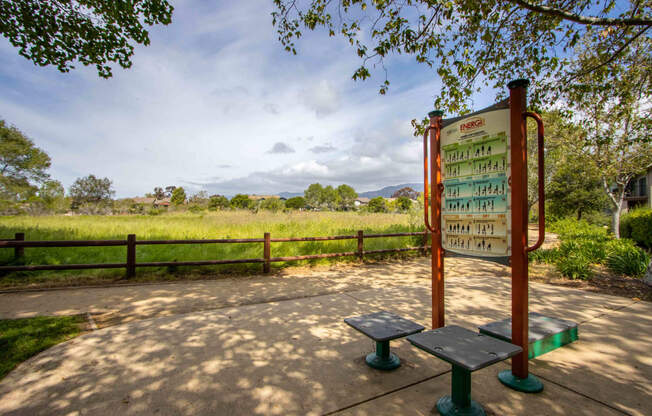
346 196
637 225
24 338
93 32
241 201
377 204
296 202
574 266
473 44
91 192
272 204
218 202
158 193
328 198
625 258
406 192
178 196
612 100
403 203
22 165
313 195
575 188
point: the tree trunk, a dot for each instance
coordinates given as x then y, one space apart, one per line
579 214
616 220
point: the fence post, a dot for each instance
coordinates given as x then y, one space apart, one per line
360 245
424 251
131 255
19 252
267 249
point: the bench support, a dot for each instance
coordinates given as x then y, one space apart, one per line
530 384
459 402
383 359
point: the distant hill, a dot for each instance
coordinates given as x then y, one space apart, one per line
288 195
388 191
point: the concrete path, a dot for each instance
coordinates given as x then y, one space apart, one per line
296 356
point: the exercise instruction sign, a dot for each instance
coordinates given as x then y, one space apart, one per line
475 171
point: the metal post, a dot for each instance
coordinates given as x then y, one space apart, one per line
437 252
131 255
360 244
267 249
461 387
519 378
19 252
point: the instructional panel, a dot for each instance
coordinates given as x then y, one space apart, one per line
476 197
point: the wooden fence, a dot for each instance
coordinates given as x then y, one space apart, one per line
19 244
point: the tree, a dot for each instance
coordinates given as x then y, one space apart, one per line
575 188
178 196
403 203
218 202
612 101
159 193
22 165
377 204
296 202
560 133
406 192
329 198
93 32
313 195
169 190
346 197
51 193
241 201
472 44
91 193
272 204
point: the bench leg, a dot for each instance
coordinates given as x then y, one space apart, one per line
459 402
383 359
530 384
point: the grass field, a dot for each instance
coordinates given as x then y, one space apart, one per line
224 224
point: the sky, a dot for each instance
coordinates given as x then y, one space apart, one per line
216 104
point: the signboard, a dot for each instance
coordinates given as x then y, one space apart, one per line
476 197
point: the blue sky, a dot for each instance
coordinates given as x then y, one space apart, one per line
216 104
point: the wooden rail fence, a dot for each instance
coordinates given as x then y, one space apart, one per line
19 243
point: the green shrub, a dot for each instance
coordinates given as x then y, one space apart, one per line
570 229
623 257
574 266
637 225
548 256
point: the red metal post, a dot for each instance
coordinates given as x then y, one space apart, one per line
518 154
437 253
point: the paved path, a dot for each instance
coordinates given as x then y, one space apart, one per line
296 356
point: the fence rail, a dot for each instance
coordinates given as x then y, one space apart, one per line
19 244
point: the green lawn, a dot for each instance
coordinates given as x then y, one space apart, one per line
221 224
23 338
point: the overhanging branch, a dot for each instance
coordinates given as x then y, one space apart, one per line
585 20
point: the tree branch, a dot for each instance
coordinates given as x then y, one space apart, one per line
585 20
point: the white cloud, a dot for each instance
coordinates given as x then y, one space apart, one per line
210 97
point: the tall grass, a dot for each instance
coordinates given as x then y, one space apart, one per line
224 224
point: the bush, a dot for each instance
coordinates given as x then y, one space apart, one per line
637 225
571 229
623 257
548 256
574 266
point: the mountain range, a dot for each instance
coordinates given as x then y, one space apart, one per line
385 192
